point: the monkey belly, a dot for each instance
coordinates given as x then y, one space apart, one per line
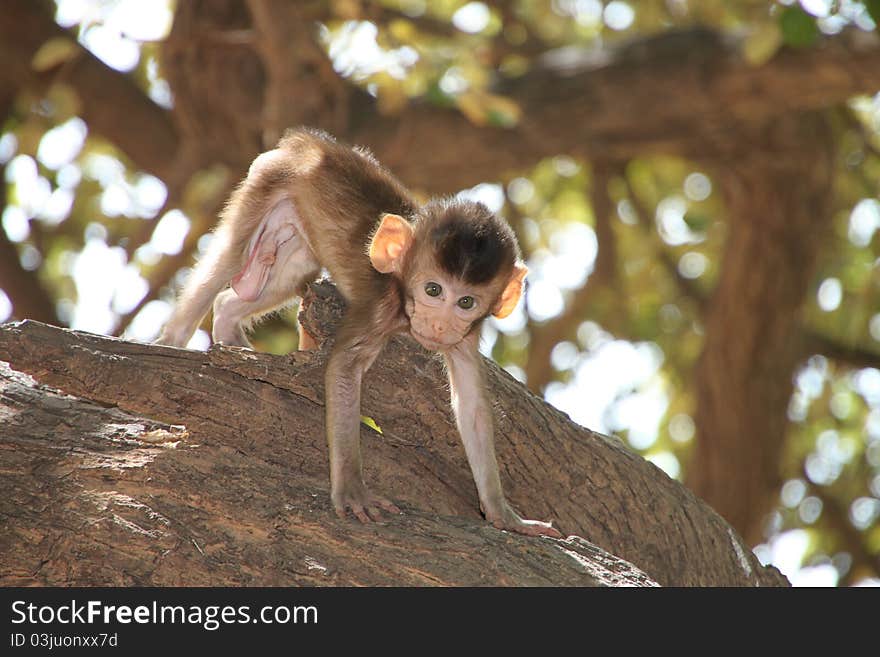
277 238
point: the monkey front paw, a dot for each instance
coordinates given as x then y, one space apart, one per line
507 518
364 504
531 528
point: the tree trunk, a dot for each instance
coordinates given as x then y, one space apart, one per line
778 194
213 470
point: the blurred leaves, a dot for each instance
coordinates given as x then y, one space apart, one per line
485 109
54 52
763 42
798 28
873 7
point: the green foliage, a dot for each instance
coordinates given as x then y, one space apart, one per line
873 7
53 53
763 42
798 27
370 422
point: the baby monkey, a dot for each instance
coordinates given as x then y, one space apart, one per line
434 271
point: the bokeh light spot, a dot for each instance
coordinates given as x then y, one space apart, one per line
830 294
473 17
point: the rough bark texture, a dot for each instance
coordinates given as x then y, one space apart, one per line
778 193
237 491
98 496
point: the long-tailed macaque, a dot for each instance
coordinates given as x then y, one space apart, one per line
434 271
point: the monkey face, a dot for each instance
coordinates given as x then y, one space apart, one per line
442 309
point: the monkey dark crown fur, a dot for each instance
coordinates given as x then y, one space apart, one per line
471 242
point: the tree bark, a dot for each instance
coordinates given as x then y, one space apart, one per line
113 498
236 491
778 194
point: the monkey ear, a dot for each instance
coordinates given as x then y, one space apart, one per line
512 292
390 243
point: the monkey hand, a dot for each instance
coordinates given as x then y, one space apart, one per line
507 518
365 505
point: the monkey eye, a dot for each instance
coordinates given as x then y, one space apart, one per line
433 289
466 302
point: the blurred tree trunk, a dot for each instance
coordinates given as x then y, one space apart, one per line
778 195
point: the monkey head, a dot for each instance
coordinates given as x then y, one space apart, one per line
458 263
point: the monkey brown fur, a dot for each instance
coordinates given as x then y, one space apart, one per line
434 271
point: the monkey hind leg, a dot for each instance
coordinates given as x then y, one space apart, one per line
279 265
207 279
232 314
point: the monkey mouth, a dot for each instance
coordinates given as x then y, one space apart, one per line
429 343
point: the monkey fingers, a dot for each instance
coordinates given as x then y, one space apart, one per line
530 528
365 505
507 518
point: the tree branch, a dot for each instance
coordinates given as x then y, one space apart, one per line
125 493
816 343
697 86
552 468
28 297
301 85
111 103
